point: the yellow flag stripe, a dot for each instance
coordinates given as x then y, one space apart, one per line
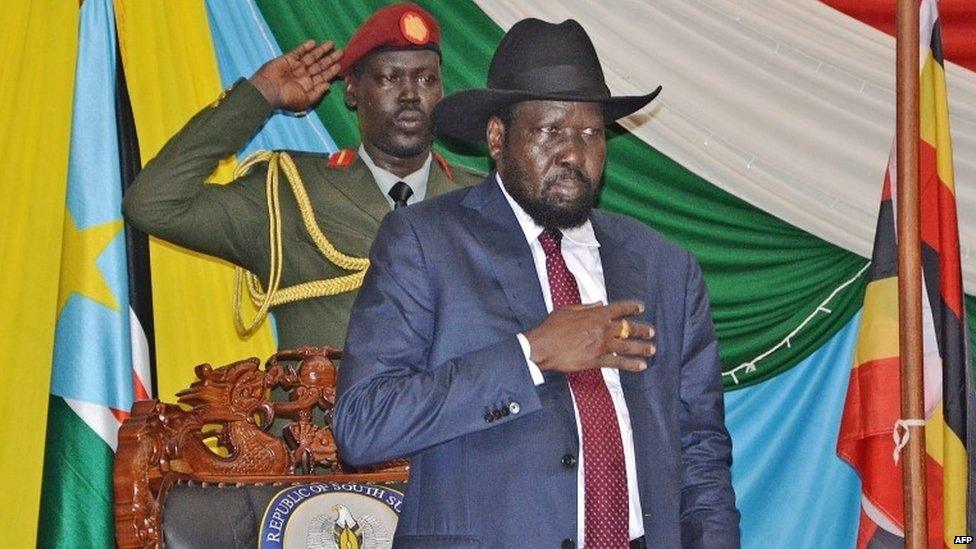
935 429
944 446
954 482
934 118
878 336
172 73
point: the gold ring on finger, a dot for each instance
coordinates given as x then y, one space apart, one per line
624 329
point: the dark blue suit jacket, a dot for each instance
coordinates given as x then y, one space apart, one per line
431 350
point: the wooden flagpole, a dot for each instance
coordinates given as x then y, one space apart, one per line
910 272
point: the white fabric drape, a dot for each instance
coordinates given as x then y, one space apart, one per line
786 104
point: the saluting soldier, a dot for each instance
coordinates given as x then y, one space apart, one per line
300 223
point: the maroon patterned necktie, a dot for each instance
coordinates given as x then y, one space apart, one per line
604 474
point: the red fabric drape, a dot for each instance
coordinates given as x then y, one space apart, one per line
958 24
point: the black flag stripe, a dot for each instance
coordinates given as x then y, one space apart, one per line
136 242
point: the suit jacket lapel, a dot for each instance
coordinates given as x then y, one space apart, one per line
356 182
493 222
623 271
625 275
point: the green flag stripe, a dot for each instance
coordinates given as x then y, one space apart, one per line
76 493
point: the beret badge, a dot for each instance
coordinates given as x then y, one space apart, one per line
413 28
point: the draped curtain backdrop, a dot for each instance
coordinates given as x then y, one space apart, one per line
764 155
37 67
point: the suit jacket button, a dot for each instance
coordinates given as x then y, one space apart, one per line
568 461
568 544
488 417
514 408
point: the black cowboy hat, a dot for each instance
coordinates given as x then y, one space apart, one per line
535 60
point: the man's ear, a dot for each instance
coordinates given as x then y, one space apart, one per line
352 86
495 135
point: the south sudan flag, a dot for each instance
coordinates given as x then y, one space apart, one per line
103 336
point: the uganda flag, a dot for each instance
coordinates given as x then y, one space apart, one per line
873 403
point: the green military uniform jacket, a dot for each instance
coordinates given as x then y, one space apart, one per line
171 200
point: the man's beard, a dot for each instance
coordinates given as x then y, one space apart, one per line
544 210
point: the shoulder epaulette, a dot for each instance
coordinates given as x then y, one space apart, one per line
342 159
443 164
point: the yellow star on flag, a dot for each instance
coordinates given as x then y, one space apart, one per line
79 270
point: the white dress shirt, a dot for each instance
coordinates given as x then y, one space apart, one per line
581 251
386 180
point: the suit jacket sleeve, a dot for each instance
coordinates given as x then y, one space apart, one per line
709 517
171 199
391 402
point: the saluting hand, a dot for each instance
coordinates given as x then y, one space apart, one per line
298 79
582 337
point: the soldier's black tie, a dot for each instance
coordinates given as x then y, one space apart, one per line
400 193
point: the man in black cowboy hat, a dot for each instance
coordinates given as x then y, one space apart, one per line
551 369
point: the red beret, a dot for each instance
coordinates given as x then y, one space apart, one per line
400 26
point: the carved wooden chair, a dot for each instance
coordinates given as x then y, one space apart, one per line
200 472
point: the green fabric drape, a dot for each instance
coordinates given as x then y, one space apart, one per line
764 275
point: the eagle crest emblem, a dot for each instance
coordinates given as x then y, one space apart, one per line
331 516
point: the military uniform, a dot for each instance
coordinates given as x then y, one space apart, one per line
170 199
